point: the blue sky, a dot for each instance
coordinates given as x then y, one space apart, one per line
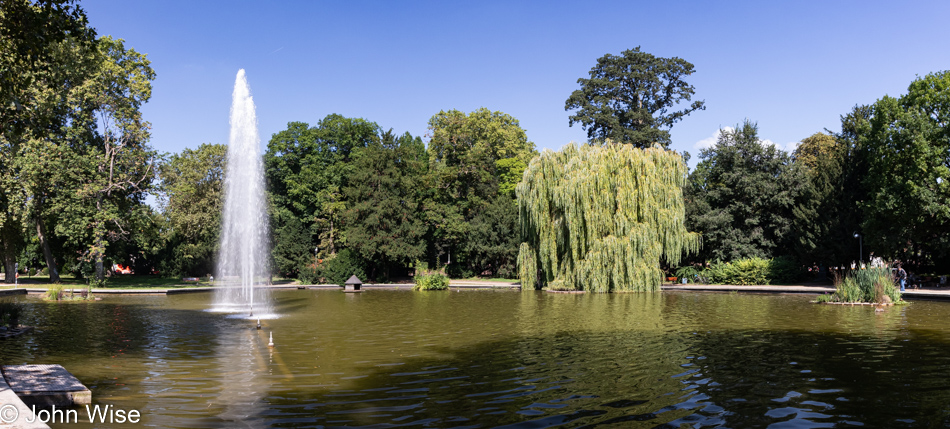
792 67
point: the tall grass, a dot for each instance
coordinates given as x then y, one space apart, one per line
875 285
57 292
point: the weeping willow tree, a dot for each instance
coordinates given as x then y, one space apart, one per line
600 218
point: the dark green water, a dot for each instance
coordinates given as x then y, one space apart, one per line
385 359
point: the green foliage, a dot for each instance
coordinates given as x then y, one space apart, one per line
336 269
785 270
741 197
110 154
628 98
750 271
747 271
290 245
491 245
689 272
464 140
306 169
433 281
906 214
823 218
510 171
47 54
191 197
58 293
868 285
474 161
600 218
54 293
384 222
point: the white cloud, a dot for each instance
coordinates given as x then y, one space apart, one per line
787 147
711 140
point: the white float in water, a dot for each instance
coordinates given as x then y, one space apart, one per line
242 260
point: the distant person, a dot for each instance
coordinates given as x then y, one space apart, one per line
901 276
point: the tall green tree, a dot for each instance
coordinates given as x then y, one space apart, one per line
907 214
384 222
191 196
475 159
46 50
111 166
742 195
823 233
601 218
306 169
629 98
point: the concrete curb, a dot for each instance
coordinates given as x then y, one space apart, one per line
8 397
178 291
799 289
11 292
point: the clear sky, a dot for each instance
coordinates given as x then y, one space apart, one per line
791 66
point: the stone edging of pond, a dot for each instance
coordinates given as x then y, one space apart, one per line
9 292
874 304
177 291
7 396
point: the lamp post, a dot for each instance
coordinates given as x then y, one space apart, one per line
860 246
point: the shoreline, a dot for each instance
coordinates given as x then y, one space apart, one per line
929 293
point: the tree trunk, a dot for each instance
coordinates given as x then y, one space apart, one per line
47 253
9 239
8 267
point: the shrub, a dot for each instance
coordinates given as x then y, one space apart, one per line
308 274
750 271
784 270
335 270
689 272
433 281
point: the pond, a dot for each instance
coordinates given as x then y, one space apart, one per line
502 358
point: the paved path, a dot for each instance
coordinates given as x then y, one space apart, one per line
928 293
46 385
9 398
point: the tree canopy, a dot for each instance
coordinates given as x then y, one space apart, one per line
601 219
191 195
907 214
741 196
73 138
384 222
475 160
629 98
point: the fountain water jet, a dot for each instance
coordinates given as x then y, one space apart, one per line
243 256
